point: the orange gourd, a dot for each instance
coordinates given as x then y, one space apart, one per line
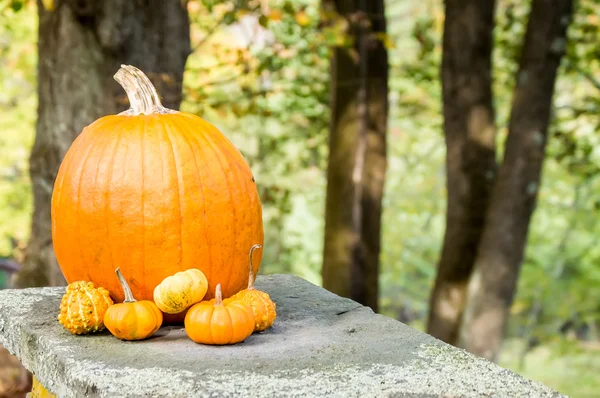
83 306
219 322
132 319
263 307
155 191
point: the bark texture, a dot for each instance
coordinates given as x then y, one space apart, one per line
357 155
471 155
492 287
81 45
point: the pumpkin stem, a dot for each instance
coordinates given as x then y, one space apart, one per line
251 276
126 289
218 295
142 95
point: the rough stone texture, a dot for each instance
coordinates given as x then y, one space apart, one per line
321 345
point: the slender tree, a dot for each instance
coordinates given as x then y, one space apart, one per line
357 153
500 254
471 155
81 45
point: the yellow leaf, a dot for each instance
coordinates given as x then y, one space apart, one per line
518 307
193 6
354 55
48 5
385 40
240 13
328 15
275 15
302 18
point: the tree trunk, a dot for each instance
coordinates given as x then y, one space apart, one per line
81 45
500 254
470 132
357 156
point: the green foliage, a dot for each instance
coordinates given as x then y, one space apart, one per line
560 273
569 368
267 88
414 201
17 120
261 74
578 103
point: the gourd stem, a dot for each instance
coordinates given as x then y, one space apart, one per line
142 95
218 295
126 289
251 277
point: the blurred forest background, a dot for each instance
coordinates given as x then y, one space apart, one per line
444 143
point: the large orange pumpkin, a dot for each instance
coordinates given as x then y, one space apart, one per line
154 191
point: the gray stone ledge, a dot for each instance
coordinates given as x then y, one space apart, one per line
321 345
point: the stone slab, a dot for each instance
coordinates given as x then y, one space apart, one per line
321 345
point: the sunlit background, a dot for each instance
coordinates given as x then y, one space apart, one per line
264 81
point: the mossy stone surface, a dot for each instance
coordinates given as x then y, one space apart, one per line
320 345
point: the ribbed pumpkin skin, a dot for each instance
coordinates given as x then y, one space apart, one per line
133 321
228 323
154 195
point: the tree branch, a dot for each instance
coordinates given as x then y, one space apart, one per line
588 76
208 35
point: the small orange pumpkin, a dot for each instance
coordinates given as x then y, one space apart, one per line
83 306
131 319
156 191
218 322
263 307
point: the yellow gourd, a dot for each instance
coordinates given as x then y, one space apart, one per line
83 306
178 292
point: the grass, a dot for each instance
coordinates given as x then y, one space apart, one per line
571 369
